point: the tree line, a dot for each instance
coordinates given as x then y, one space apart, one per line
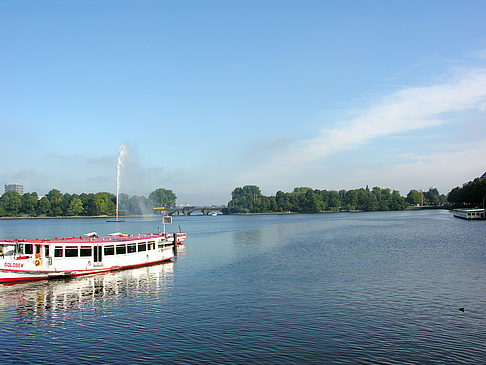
472 193
57 204
431 197
248 199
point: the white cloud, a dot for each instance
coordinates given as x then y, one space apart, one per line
406 110
446 169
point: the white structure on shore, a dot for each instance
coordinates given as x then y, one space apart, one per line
15 187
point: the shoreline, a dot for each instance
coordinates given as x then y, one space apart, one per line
79 217
265 213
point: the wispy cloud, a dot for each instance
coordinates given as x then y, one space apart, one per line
446 169
402 111
270 147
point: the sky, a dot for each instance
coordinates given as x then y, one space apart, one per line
207 96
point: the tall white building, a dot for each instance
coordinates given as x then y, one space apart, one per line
15 187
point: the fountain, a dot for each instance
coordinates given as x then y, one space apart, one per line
122 152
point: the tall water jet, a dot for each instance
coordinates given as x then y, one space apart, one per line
122 152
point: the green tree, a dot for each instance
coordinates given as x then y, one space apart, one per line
246 199
414 197
75 206
334 200
11 202
472 193
88 204
65 203
351 200
312 203
163 198
139 205
43 206
55 199
103 204
29 204
398 202
282 201
432 196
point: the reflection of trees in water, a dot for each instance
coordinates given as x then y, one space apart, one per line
36 300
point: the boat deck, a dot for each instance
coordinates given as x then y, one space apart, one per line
90 239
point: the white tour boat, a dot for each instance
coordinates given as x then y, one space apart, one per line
22 260
469 213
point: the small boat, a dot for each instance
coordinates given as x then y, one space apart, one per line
25 260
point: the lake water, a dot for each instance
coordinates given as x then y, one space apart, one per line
382 287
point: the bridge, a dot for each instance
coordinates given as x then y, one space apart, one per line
189 210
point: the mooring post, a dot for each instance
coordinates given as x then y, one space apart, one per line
175 244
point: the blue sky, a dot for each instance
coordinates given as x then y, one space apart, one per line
211 95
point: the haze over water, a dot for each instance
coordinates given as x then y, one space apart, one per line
382 287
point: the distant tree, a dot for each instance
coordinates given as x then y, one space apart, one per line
351 200
163 198
414 197
273 207
11 202
432 196
29 204
301 190
88 204
103 204
246 199
65 203
472 193
282 201
398 202
363 195
55 199
312 202
139 205
334 200
372 205
123 203
43 206
75 206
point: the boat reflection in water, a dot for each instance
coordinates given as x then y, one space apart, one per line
54 297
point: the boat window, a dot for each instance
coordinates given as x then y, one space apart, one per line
131 247
58 251
142 246
46 250
28 249
71 251
109 250
85 251
121 249
151 245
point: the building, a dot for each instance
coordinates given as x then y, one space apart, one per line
15 187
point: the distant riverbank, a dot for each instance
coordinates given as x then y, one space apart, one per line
78 217
249 213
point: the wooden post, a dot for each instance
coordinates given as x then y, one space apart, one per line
175 244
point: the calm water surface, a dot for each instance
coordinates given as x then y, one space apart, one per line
380 287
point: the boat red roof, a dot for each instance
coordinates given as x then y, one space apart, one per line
91 239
